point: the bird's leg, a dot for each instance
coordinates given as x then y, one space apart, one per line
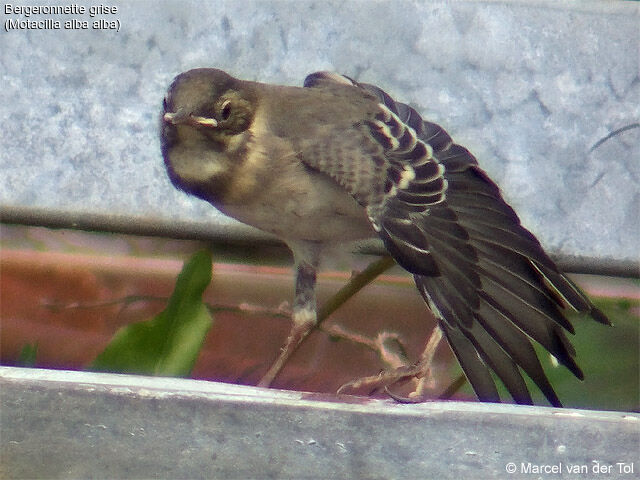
419 371
422 368
304 307
304 317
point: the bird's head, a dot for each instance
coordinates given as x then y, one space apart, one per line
204 124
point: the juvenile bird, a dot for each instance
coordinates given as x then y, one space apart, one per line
338 161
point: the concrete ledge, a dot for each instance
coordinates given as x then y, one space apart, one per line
60 424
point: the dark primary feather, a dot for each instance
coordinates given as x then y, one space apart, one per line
486 278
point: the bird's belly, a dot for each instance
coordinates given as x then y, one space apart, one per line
313 209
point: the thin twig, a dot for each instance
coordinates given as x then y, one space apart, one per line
613 134
453 387
354 285
106 303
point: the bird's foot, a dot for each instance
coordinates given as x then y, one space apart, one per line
419 373
387 378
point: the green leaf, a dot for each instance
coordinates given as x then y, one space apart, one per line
169 343
27 357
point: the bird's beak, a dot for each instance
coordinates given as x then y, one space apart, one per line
182 118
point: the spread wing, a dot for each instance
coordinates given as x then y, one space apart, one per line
484 276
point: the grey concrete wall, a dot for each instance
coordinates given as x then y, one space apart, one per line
529 87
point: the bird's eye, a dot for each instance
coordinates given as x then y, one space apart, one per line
226 110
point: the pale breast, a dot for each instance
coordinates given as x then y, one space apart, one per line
304 205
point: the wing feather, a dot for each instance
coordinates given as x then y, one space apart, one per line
486 278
